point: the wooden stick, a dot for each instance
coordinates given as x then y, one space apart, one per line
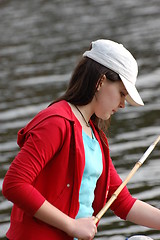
130 175
120 188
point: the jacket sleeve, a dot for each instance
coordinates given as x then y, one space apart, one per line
42 143
124 202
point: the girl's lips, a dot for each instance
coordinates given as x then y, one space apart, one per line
113 111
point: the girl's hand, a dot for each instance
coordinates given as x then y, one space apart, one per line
83 228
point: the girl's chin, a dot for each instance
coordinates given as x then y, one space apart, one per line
107 117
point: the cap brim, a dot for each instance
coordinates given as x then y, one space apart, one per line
133 96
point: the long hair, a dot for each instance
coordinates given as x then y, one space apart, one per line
83 85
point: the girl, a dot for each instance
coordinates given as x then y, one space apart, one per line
63 174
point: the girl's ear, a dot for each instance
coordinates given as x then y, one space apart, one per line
100 82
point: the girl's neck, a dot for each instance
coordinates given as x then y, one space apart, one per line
83 114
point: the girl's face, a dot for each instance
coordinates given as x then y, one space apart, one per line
109 97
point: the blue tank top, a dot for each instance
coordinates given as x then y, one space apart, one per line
92 171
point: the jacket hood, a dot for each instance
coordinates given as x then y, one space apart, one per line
61 109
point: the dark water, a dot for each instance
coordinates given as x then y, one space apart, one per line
40 43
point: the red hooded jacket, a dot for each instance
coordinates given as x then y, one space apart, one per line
50 166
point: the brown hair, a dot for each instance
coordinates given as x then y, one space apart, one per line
83 85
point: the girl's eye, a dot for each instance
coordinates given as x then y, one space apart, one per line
122 94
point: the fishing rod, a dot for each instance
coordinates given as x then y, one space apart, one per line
124 183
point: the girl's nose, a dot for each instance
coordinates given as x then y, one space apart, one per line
122 103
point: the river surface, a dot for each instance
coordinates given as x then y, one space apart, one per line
40 44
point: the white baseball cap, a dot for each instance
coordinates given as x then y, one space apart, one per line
117 58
